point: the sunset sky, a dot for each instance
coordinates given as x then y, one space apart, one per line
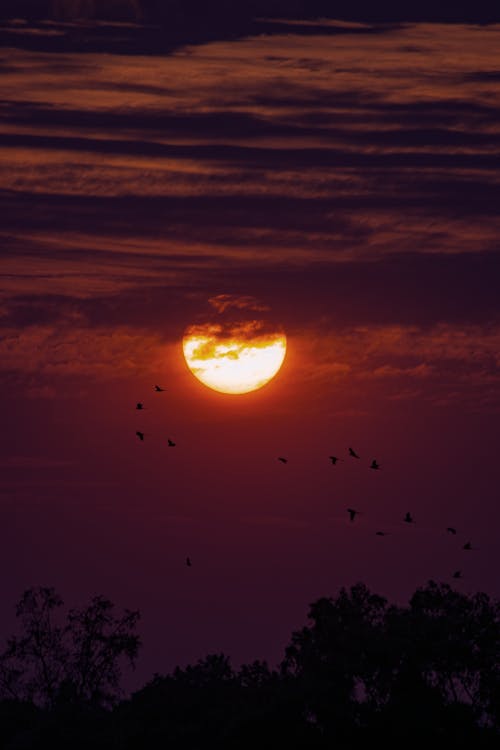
341 184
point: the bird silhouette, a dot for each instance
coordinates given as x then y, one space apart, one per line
353 453
467 546
139 406
158 389
283 460
381 533
188 562
140 435
457 574
408 518
334 459
451 530
374 465
352 513
171 443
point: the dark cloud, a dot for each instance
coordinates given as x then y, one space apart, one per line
267 157
482 76
224 123
407 130
405 290
395 290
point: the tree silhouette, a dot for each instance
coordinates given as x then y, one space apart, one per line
31 668
456 643
361 671
78 659
336 660
427 669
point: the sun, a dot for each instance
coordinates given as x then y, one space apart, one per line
238 360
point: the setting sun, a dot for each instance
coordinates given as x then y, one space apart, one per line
235 363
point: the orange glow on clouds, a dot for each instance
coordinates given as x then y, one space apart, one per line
236 361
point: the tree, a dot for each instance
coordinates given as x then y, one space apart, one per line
78 659
430 669
336 660
455 640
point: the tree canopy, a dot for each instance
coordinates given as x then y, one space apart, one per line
77 659
360 670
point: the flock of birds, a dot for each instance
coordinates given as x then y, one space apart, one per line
407 518
335 459
140 406
352 512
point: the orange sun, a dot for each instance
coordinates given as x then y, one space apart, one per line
237 360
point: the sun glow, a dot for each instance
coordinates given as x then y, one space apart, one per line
235 363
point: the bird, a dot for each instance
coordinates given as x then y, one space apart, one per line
374 465
334 459
352 513
158 389
381 533
139 406
283 460
457 574
353 453
467 546
451 530
140 435
188 562
171 443
408 518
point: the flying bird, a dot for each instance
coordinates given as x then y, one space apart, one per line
408 518
457 574
158 389
451 530
334 459
171 443
140 435
139 406
381 533
283 460
352 513
353 453
374 465
467 546
188 562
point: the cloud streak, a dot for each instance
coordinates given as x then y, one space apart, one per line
335 191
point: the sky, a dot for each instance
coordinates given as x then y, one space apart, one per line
342 185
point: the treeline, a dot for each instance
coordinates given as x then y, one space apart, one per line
229 11
362 671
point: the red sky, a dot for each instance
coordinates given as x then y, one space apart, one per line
348 182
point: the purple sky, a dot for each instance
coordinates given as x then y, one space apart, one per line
350 183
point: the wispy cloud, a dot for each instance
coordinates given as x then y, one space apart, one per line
71 351
223 302
353 188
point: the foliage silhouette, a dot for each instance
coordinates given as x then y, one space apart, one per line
362 670
74 661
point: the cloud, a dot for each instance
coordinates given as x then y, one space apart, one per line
360 200
229 340
422 370
51 352
224 302
441 364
